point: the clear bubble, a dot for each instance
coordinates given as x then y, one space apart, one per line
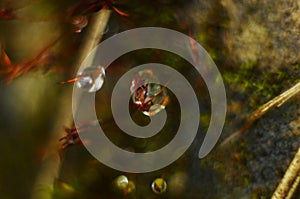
91 79
159 186
121 182
124 185
79 23
130 187
150 98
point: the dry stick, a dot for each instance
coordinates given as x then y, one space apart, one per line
49 171
290 180
275 102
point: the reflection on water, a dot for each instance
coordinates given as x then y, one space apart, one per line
147 94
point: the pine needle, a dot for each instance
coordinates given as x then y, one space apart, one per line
273 103
290 180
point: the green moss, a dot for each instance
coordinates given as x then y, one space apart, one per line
246 180
260 85
219 166
297 67
205 119
213 54
202 37
242 77
166 17
172 60
225 23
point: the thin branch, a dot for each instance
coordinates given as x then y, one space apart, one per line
49 171
290 180
275 102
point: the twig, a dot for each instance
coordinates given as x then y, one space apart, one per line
275 102
290 180
49 171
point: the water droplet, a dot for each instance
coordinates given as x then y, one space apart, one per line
121 182
130 187
150 98
91 79
79 22
159 186
124 185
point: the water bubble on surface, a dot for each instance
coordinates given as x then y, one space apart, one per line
91 79
130 187
124 185
159 186
150 98
79 23
121 182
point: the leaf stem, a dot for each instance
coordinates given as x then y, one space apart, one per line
275 102
290 181
49 171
